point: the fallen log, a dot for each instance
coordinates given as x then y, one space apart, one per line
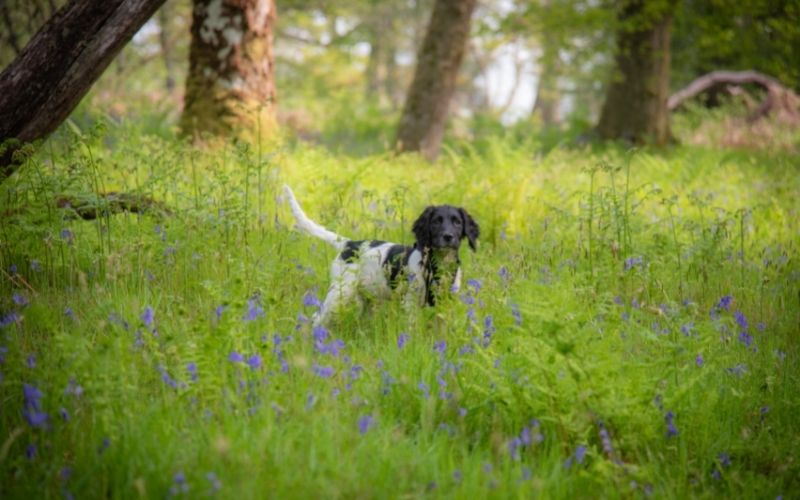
779 99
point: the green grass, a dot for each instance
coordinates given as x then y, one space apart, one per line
567 341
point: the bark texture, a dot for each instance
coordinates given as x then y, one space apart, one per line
635 108
40 88
425 112
230 86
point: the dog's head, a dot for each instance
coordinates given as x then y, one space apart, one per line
444 227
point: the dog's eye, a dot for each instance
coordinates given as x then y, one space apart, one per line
456 221
439 220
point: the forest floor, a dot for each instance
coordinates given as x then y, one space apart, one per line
628 326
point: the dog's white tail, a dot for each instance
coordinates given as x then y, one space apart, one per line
311 227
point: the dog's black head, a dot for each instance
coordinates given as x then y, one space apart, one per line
444 227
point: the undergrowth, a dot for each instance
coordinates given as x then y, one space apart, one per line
628 326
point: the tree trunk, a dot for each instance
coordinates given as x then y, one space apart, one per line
425 111
231 82
40 88
635 108
165 14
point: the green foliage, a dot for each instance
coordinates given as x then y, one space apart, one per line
758 35
599 284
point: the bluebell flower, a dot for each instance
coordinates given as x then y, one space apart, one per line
503 273
457 476
425 389
725 303
12 270
219 310
64 414
254 361
19 300
68 312
216 484
309 300
35 266
3 352
745 338
365 423
467 299
699 360
724 460
254 310
235 357
671 429
67 236
605 439
632 262
738 370
440 346
513 448
319 333
323 371
180 485
402 340
32 407
761 326
474 284
687 328
741 321
580 453
30 451
462 412
618 300
526 473
165 376
73 388
516 314
191 367
9 319
147 316
31 361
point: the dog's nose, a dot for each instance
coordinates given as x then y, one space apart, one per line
447 238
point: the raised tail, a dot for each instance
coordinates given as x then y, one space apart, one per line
311 227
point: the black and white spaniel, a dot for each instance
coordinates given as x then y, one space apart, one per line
374 268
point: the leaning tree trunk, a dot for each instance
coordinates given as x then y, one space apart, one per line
40 88
231 82
425 111
635 108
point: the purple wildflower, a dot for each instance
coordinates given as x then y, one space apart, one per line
254 361
216 485
9 319
32 404
191 367
235 357
741 321
503 273
67 236
311 300
68 312
738 370
64 414
516 314
30 451
35 266
425 389
19 300
180 485
513 448
488 329
219 310
364 424
669 419
580 454
147 316
724 460
725 303
31 361
319 333
474 284
402 340
323 371
440 346
73 388
699 360
632 262
687 328
254 310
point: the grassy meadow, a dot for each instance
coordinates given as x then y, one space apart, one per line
629 327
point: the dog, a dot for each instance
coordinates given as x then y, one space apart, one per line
374 268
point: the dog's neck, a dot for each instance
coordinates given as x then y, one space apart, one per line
439 265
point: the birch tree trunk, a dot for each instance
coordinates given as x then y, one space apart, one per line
230 87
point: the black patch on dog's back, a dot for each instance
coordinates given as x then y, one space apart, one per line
351 249
396 260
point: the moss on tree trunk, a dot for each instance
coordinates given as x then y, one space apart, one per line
230 87
425 112
635 108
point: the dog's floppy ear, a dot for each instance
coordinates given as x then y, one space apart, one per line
470 228
422 228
